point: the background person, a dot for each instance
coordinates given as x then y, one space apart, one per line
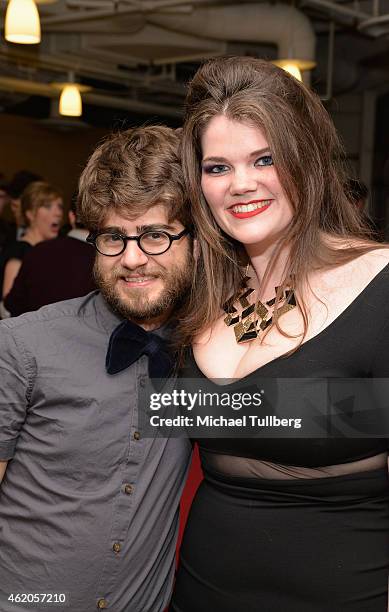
5 229
291 524
19 182
53 271
358 194
42 211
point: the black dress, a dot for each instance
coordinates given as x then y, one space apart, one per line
14 250
257 544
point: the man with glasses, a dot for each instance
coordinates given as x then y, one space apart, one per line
88 502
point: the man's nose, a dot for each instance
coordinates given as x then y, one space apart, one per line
243 181
133 257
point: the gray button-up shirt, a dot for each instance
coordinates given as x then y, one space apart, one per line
88 507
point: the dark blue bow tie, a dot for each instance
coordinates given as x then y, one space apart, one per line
128 342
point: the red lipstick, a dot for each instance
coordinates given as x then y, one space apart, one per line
251 213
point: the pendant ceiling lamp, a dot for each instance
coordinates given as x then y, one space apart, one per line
70 101
22 23
295 66
296 57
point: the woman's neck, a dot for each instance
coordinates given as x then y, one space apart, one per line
259 261
32 236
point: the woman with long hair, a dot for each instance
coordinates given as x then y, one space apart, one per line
289 284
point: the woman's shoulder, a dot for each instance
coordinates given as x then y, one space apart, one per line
370 275
357 261
368 266
358 288
16 250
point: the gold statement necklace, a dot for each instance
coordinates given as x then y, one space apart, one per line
256 317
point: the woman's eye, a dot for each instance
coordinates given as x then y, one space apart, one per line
266 160
215 169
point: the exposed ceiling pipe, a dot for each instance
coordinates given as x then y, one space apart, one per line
28 87
132 105
144 8
87 68
281 24
334 8
330 63
338 9
42 89
57 62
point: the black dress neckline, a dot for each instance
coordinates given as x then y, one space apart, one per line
308 343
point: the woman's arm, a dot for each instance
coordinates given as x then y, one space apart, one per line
16 302
3 467
11 271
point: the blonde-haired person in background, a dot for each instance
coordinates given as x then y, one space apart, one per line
42 211
302 524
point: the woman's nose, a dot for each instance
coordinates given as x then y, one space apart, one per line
243 181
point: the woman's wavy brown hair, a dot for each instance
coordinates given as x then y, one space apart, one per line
309 160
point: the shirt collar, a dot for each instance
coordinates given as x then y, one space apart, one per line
78 234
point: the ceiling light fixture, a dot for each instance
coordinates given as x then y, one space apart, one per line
22 24
291 60
295 66
70 101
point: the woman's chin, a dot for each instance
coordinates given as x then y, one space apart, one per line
50 235
251 239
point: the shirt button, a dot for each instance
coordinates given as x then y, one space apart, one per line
102 604
128 489
136 435
142 383
116 547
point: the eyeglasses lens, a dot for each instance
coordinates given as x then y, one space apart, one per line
109 244
155 242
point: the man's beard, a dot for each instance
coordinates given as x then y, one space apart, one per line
137 306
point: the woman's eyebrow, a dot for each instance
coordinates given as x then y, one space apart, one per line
260 151
214 159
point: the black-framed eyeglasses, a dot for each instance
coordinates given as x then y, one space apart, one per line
151 242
